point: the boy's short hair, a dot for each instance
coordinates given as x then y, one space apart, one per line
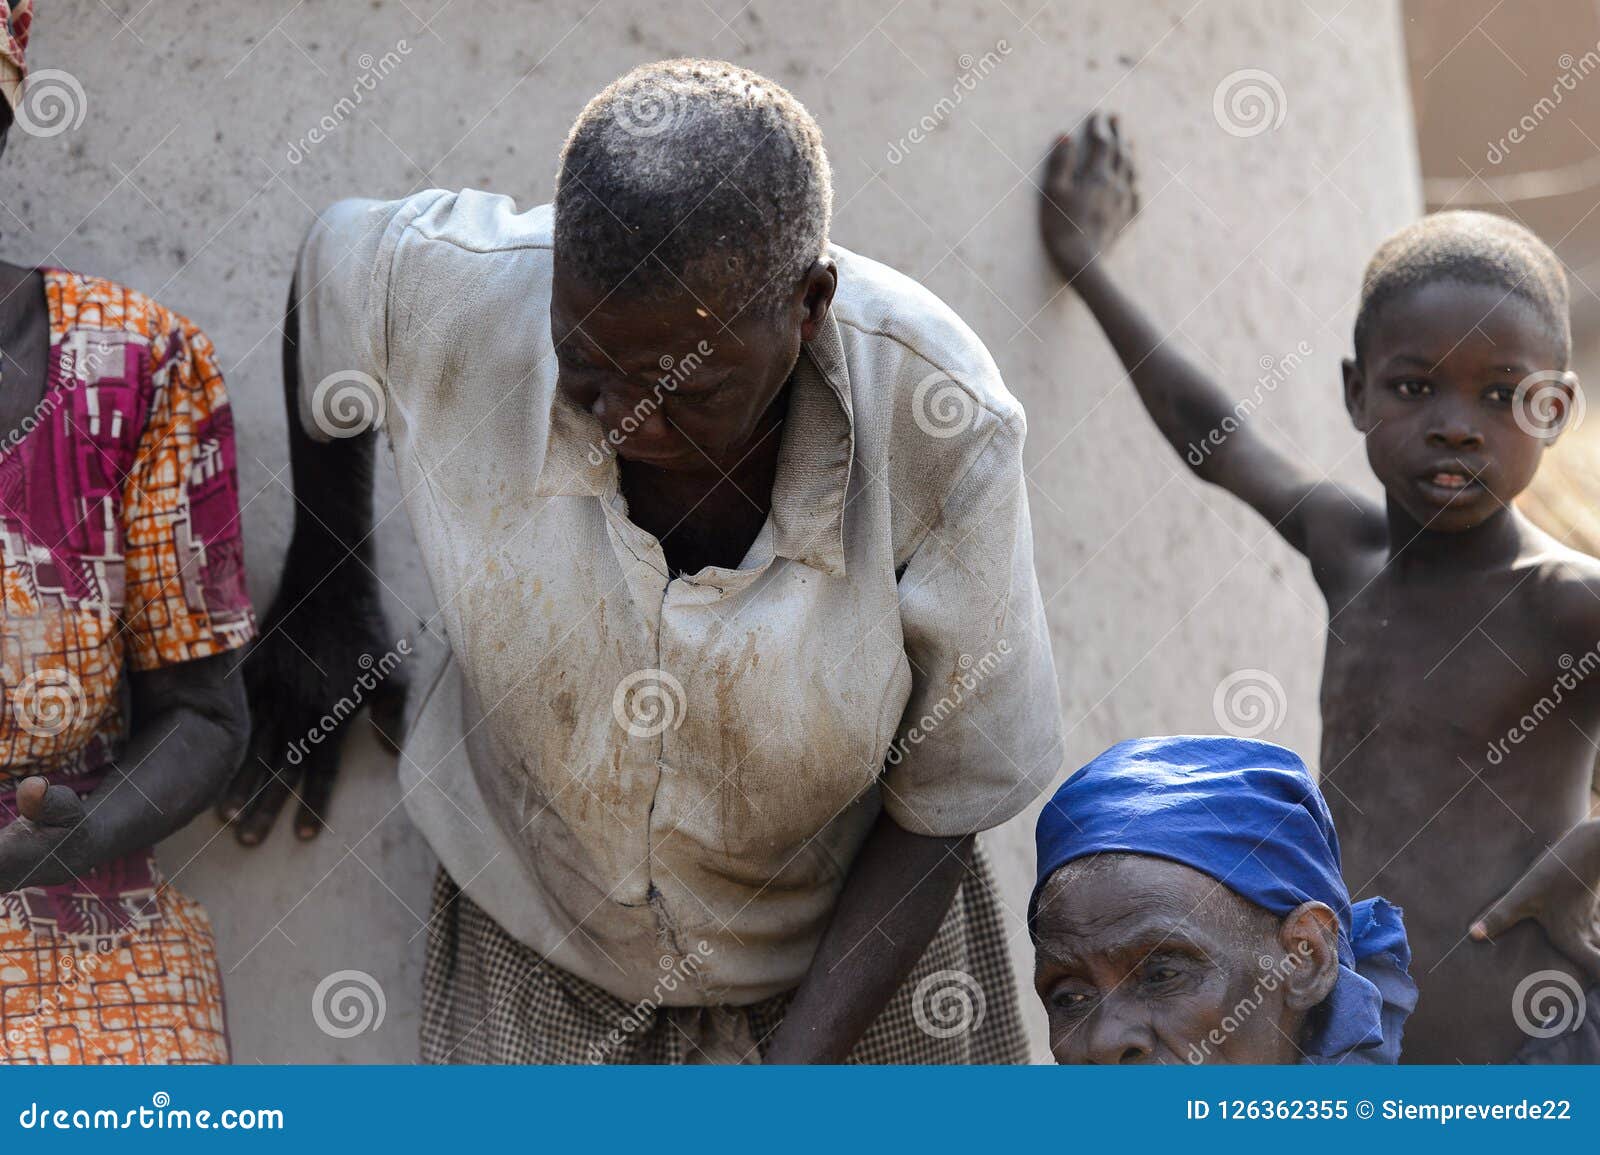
1473 247
697 174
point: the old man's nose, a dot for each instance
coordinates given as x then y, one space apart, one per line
623 412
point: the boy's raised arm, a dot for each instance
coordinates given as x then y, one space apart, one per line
1090 193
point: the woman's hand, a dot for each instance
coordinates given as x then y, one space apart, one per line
1090 194
52 837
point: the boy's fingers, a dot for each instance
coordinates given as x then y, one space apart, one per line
1059 165
1097 156
1584 952
1499 918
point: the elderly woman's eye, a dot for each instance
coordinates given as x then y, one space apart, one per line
1072 1000
1162 974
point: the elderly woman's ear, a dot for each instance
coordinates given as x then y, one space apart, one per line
1309 936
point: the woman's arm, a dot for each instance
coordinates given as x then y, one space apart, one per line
898 893
189 728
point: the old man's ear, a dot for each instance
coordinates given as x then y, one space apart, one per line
1309 936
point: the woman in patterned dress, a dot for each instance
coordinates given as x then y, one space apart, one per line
121 591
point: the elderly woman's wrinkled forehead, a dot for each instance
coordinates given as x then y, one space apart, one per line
1104 903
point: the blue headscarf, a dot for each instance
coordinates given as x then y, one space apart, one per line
1249 815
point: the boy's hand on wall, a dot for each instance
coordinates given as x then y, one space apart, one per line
1559 896
1090 194
53 826
322 657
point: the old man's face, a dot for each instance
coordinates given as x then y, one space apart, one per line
679 383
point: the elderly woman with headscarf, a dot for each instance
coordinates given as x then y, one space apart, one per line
1189 908
728 531
124 590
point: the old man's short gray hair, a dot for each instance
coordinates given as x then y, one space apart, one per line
697 175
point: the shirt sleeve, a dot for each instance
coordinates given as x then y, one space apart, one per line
980 737
342 277
185 593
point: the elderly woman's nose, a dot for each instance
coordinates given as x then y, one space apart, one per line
1117 1036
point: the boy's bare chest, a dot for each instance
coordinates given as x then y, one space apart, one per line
1419 693
1447 662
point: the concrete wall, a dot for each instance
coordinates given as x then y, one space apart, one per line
192 176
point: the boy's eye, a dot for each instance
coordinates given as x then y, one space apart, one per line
1412 388
1502 394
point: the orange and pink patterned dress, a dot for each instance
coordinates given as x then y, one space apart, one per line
120 548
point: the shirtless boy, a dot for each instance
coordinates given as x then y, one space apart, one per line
1459 715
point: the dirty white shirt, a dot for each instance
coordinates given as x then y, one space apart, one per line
629 770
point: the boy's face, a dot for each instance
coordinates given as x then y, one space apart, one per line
1436 393
1143 960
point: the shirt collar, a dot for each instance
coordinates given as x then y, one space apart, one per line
814 459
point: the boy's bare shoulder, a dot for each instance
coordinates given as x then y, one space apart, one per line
1564 584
